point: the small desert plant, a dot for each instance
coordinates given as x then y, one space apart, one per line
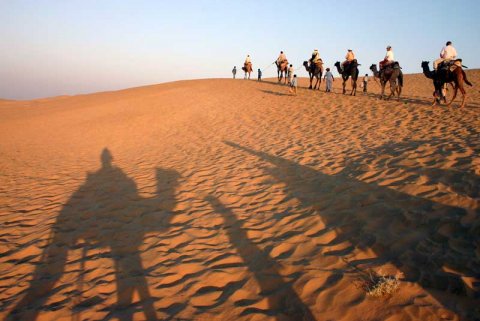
378 284
375 284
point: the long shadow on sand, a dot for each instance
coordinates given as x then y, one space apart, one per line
281 296
433 244
105 212
420 100
275 83
270 92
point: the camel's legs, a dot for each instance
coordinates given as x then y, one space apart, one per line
464 94
383 84
455 90
462 90
393 85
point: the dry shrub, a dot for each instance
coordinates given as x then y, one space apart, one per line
378 284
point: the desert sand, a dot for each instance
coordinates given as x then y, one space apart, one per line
227 199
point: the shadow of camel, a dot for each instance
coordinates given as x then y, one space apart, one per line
433 244
282 298
105 212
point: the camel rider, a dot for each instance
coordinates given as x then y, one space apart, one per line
389 58
315 57
348 59
281 58
247 60
448 53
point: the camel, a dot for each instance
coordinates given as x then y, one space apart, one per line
430 75
281 69
392 74
351 70
247 67
454 75
314 71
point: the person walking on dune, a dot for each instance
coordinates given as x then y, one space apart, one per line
293 85
290 73
234 71
365 83
329 80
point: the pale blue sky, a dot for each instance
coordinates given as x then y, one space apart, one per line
60 47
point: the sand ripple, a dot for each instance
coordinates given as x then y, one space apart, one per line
230 200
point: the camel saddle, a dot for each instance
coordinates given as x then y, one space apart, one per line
393 65
319 65
348 64
283 63
246 65
450 65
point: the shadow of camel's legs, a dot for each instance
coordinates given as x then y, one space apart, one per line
47 273
129 274
284 302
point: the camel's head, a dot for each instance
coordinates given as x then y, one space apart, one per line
425 64
337 64
305 63
373 67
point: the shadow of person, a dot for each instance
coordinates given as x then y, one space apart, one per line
408 231
105 212
281 296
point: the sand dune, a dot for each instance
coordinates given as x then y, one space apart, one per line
233 200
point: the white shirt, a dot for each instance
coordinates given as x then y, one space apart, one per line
247 60
389 56
448 52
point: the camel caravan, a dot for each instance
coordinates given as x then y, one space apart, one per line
448 70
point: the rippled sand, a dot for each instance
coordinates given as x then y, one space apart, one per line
234 200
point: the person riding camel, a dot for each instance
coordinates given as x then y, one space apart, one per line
447 54
281 58
389 59
348 59
247 67
315 57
